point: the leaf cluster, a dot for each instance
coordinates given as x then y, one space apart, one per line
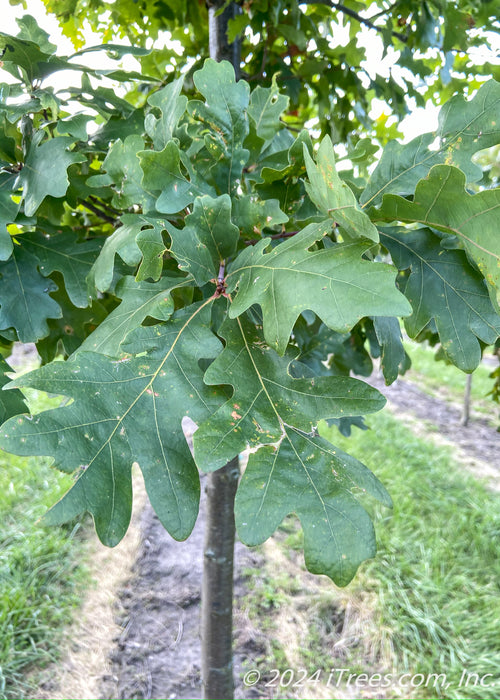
192 256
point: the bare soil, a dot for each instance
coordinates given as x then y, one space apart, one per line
157 652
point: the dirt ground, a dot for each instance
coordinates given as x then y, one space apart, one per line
154 646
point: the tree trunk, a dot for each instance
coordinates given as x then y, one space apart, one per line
220 49
217 587
466 407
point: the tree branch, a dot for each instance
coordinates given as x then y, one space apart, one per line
355 15
286 234
95 210
104 205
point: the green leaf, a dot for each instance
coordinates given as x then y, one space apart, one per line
75 125
123 171
150 242
25 303
394 360
266 397
464 128
333 197
265 109
125 411
172 106
236 26
443 286
251 215
224 114
162 173
138 236
30 30
44 172
207 239
335 283
287 163
68 332
63 252
308 476
316 343
8 213
139 300
115 51
442 202
26 60
11 402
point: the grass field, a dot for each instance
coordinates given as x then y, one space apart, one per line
447 382
41 578
437 574
429 603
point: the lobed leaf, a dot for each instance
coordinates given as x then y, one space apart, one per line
8 213
207 239
25 303
335 283
172 106
138 237
251 215
139 300
11 402
44 172
308 476
465 127
122 171
394 360
63 252
443 286
123 412
266 397
333 197
442 203
162 174
224 114
265 109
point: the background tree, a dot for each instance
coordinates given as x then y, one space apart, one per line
202 257
317 51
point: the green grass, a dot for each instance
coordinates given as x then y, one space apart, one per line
41 579
446 381
437 574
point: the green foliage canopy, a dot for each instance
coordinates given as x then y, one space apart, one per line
194 256
316 50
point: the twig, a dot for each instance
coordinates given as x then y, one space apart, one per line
104 205
102 215
286 234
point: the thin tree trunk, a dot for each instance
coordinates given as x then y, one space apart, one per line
220 49
466 407
217 587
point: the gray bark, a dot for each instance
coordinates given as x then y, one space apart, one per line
220 49
217 587
466 406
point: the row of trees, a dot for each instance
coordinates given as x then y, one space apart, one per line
189 250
